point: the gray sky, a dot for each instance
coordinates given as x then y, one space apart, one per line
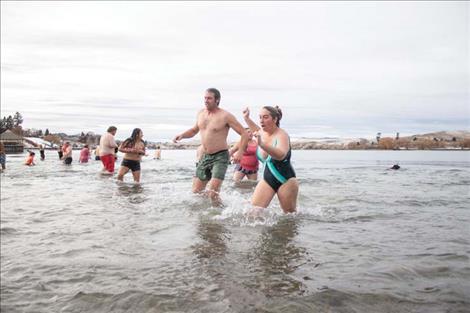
335 68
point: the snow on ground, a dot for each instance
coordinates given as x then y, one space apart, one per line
38 141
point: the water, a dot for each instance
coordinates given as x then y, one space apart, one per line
365 239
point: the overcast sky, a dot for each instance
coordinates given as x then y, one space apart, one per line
335 68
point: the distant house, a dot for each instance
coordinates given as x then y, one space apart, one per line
13 142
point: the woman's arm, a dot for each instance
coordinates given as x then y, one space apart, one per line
281 149
126 149
249 121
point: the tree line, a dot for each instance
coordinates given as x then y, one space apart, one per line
12 123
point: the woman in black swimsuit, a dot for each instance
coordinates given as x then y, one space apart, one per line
134 149
275 152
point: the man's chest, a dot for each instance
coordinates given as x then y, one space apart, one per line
212 124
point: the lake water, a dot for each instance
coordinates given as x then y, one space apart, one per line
365 239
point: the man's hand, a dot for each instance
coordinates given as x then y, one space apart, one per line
177 138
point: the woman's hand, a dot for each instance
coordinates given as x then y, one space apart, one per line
258 137
246 113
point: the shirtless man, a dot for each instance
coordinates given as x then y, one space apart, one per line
107 150
67 153
214 124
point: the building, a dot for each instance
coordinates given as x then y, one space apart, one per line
13 143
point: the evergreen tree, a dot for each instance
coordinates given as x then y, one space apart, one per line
3 125
17 119
9 122
46 133
82 138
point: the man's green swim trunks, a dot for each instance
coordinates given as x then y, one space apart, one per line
213 166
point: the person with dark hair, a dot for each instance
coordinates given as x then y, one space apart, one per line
60 152
214 124
275 152
41 152
30 159
107 146
158 153
134 149
67 153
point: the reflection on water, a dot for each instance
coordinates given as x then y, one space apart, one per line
213 235
277 256
269 265
129 189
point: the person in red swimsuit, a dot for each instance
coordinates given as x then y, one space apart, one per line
248 165
107 150
30 159
84 155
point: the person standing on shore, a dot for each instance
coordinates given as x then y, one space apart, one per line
67 153
2 156
214 124
275 152
134 149
107 146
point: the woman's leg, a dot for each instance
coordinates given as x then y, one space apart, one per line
287 195
262 195
136 175
238 176
122 171
252 176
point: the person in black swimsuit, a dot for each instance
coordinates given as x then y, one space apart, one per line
275 152
279 172
134 149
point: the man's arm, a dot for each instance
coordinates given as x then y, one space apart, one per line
189 133
112 143
236 126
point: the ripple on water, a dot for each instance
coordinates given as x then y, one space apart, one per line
8 231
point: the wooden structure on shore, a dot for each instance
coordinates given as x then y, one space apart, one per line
13 143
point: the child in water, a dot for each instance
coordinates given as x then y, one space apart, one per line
30 159
133 149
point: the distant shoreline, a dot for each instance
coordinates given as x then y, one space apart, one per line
437 141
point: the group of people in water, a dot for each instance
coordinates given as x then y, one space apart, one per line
266 142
